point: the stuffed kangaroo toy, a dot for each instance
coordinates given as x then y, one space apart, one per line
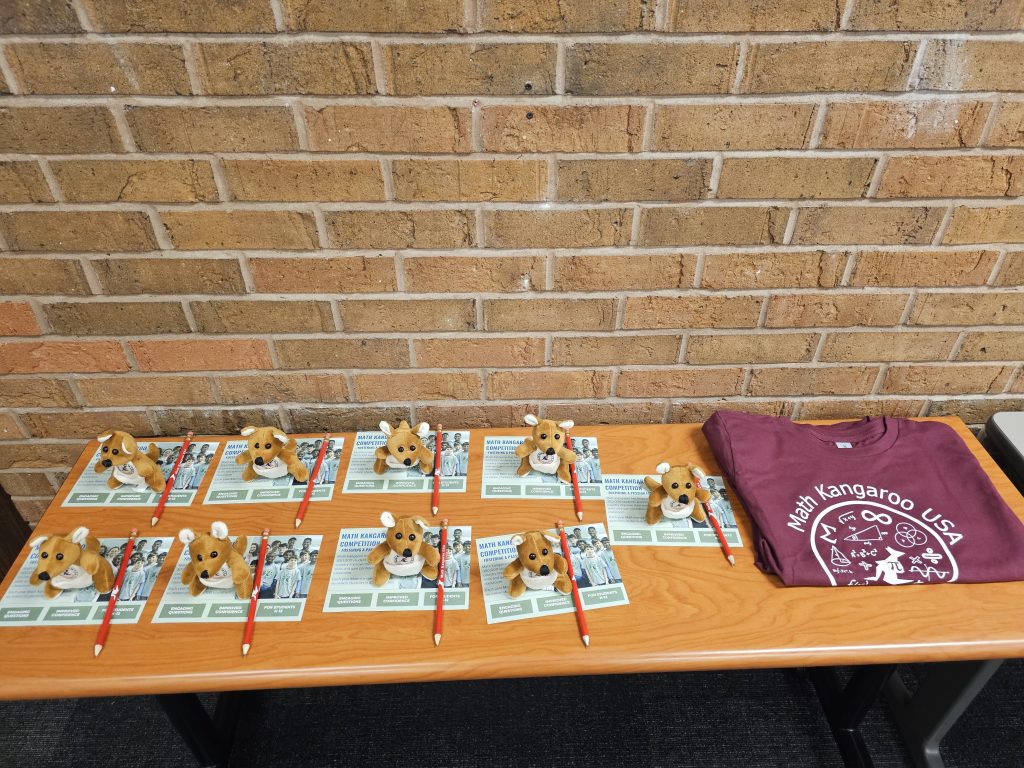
537 565
270 453
215 562
403 551
120 452
675 494
545 449
71 562
404 448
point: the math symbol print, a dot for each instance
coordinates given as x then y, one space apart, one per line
887 544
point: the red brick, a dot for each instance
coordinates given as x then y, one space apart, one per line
205 355
342 353
62 357
109 318
17 319
36 393
86 424
336 419
681 382
109 391
692 311
410 387
283 388
499 352
341 274
78 231
262 316
514 385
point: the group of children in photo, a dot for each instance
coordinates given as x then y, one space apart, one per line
454 454
287 572
144 564
194 465
593 561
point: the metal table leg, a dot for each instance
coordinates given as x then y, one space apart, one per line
946 691
845 708
209 739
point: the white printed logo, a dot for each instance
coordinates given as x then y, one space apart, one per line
866 542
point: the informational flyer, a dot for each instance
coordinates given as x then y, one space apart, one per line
625 505
361 478
351 587
593 561
228 487
26 605
287 575
501 465
91 489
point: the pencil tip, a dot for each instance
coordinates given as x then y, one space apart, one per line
96 650
154 521
732 560
297 522
580 516
433 510
245 649
437 640
586 640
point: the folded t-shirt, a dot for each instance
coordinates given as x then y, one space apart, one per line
876 501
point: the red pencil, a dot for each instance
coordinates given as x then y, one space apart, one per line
698 476
312 481
101 636
439 608
581 620
250 623
575 482
437 472
170 482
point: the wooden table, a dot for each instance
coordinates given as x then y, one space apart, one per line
688 609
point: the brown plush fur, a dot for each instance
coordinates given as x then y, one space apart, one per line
535 552
209 552
405 534
548 437
265 445
678 484
58 553
118 448
405 445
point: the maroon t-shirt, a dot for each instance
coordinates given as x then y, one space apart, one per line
876 501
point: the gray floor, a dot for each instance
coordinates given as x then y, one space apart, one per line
757 718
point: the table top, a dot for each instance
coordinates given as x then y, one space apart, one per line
688 609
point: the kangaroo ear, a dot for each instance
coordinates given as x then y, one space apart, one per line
552 539
218 529
38 541
281 437
697 472
128 444
531 419
567 424
385 428
517 539
662 468
422 430
246 431
387 519
79 535
105 436
186 536
420 522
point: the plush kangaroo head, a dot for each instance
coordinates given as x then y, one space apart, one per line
58 553
209 551
405 534
536 551
404 443
116 448
548 436
265 443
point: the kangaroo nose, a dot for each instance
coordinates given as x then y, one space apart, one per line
205 574
550 451
407 462
44 576
259 460
106 462
684 499
544 570
406 552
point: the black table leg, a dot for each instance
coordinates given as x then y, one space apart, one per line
209 742
945 692
845 708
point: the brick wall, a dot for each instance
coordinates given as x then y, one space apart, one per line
324 213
